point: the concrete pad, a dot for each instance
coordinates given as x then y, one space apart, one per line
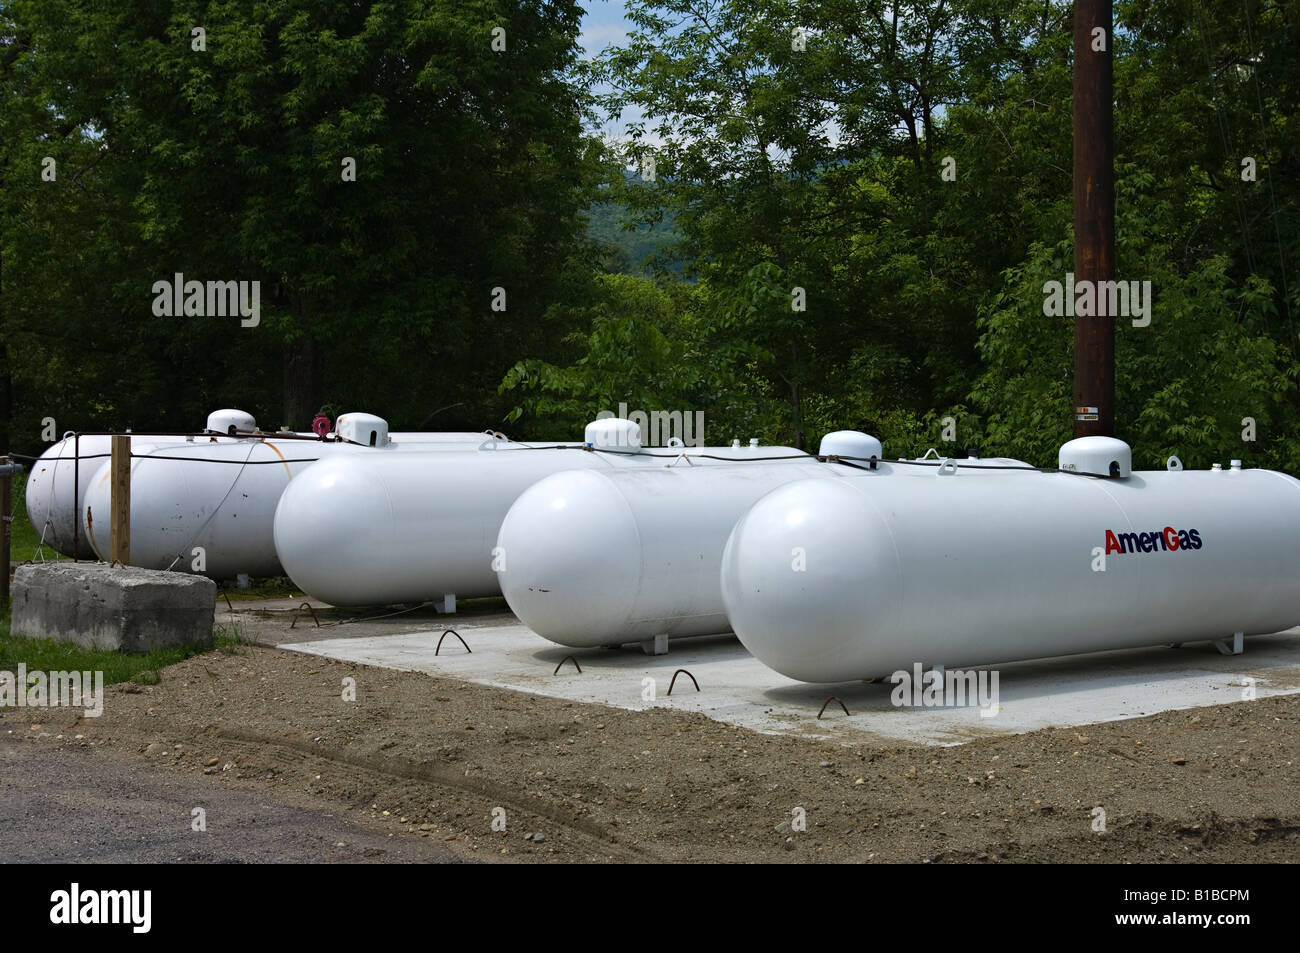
736 688
120 608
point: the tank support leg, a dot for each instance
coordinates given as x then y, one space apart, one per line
446 604
656 646
1238 644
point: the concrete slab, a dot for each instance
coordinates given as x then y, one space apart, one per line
736 688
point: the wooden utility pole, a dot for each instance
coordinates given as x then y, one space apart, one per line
1094 215
119 543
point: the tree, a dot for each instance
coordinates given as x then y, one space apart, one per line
228 157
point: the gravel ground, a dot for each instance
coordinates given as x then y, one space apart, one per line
73 804
268 742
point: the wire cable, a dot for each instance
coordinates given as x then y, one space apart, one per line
216 509
936 464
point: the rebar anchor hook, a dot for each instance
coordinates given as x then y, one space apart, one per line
568 658
457 634
682 671
833 698
298 612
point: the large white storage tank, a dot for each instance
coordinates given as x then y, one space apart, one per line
957 571
363 531
605 557
220 498
61 476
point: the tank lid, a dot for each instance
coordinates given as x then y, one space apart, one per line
229 421
613 433
1104 456
364 429
850 443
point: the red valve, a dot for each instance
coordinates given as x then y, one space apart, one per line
321 425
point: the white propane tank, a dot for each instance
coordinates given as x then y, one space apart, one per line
371 531
603 557
52 506
467 437
960 571
614 556
221 497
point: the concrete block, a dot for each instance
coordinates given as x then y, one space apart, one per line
123 608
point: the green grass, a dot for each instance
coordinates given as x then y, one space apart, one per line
230 639
23 536
44 655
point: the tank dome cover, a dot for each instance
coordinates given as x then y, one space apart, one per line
613 433
229 421
850 443
364 429
1101 455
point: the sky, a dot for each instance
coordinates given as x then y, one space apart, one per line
604 25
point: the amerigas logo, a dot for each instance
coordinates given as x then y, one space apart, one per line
132 907
1165 540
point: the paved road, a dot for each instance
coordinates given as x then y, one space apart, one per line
72 804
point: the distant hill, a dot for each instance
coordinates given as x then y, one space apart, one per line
628 251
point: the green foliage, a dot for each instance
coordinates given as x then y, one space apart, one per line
923 230
905 177
627 353
472 167
816 173
1188 381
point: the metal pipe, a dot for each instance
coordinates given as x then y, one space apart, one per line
7 471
